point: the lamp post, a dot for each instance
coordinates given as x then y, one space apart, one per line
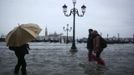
67 29
74 11
133 38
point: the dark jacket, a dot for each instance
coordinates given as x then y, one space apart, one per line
90 43
21 50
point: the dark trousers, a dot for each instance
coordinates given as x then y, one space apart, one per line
98 53
90 54
21 63
92 57
98 58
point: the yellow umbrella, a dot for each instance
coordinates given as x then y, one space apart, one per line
22 34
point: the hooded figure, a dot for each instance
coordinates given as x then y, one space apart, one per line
90 44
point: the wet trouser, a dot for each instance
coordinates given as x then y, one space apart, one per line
21 63
98 53
90 54
98 58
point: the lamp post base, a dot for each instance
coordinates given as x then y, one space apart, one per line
73 49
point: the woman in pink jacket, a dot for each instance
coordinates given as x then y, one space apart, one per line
97 47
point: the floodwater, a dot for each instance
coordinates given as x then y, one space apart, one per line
55 59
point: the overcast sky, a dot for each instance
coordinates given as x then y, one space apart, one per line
105 16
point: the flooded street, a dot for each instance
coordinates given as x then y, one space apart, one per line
55 59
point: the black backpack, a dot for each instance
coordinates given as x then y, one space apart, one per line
103 43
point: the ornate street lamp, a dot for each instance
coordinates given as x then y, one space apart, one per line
74 11
67 29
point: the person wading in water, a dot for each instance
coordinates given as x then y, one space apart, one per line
20 53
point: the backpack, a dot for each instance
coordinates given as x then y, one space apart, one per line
103 43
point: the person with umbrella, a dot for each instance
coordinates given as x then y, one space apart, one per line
17 40
20 53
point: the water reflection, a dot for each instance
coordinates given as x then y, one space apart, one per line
56 59
93 69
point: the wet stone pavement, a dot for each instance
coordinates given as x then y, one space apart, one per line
55 59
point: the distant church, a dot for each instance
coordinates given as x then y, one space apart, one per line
55 37
52 37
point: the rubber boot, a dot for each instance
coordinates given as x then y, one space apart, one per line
100 62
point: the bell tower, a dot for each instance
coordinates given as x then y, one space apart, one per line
46 33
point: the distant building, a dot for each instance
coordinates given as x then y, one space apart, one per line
40 38
64 39
2 38
55 37
82 40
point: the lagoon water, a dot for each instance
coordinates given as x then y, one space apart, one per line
55 59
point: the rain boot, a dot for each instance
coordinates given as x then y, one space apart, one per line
100 61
